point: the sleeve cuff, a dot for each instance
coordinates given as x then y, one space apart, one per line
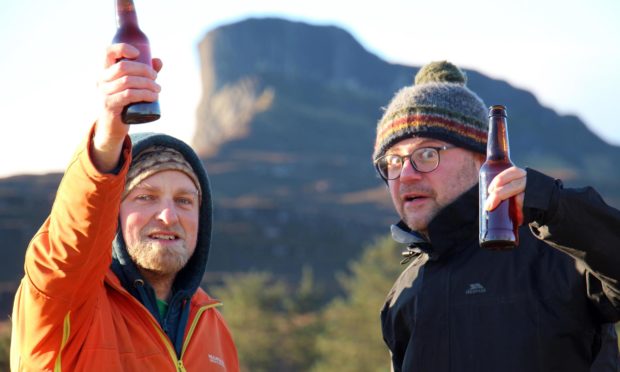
90 168
540 196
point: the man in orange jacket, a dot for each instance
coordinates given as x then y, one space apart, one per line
112 277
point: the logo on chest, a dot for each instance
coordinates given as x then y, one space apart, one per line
475 288
216 360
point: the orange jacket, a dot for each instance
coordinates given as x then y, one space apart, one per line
71 312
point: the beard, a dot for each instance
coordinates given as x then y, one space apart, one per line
158 258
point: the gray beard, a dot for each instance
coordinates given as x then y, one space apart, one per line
159 260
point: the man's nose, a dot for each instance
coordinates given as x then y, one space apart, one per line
168 213
409 173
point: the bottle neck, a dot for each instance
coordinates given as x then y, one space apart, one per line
497 145
126 13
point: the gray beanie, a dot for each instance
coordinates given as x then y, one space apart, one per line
439 106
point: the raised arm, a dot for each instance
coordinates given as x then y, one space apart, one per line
68 257
576 221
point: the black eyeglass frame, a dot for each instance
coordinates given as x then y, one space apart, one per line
438 149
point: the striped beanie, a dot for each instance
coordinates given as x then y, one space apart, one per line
157 159
438 106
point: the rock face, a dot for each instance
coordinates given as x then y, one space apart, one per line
239 60
286 128
257 65
229 112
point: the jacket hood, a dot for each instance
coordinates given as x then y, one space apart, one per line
188 279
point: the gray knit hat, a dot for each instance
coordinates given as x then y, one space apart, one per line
439 106
157 159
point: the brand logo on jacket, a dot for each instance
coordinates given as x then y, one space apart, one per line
216 360
475 288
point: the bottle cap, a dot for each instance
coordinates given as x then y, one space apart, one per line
498 110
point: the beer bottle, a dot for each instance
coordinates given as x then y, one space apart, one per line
129 32
498 228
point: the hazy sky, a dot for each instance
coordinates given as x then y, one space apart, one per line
567 52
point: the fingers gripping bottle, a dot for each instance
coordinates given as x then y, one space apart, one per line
499 227
129 32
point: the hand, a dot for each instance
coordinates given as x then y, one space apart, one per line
122 82
510 182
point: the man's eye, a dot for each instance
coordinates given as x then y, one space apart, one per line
185 201
393 161
427 154
145 197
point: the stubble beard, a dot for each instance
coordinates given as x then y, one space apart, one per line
417 219
159 259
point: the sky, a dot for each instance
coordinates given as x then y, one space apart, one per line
566 52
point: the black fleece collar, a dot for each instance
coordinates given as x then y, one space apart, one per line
456 223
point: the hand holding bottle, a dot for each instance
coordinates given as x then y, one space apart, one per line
128 31
510 182
499 225
124 81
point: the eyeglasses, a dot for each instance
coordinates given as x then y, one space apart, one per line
424 160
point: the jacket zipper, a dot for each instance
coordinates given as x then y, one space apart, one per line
192 328
178 362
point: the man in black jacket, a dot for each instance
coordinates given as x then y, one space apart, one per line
547 305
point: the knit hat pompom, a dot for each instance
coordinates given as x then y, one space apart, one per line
440 72
439 105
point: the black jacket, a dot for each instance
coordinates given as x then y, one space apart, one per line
459 307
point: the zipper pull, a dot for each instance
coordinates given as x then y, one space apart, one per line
180 366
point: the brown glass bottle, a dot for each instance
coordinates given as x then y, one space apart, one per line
129 32
499 227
